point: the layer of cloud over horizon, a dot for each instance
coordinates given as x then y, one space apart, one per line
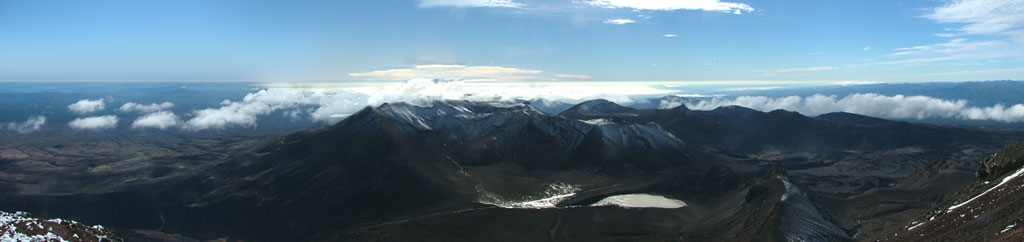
470 3
870 104
94 123
663 5
33 124
449 72
86 106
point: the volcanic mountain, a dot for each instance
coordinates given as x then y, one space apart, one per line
469 171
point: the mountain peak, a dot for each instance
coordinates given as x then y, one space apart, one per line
599 108
734 110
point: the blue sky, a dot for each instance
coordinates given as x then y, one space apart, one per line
704 41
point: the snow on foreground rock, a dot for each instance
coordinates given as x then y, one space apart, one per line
21 226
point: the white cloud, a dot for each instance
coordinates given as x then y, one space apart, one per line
33 124
449 72
619 21
984 17
159 120
669 36
871 104
945 35
854 83
800 69
670 5
575 76
142 108
333 104
470 3
85 106
866 48
96 122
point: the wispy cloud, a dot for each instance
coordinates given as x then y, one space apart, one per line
33 124
619 21
144 108
575 76
800 69
449 72
669 35
984 17
97 122
470 3
85 106
667 5
958 49
866 48
956 46
998 18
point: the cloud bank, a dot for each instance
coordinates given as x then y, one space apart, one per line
145 108
85 106
94 123
159 120
33 124
871 104
449 72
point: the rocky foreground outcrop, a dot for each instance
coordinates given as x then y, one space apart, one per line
988 210
21 226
